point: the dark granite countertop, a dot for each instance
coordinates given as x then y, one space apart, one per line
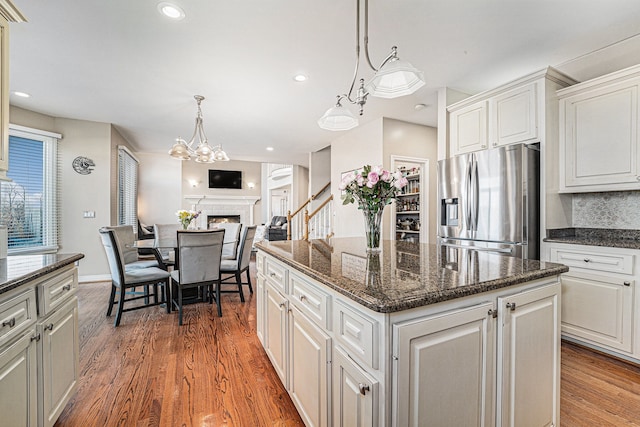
17 270
629 239
405 275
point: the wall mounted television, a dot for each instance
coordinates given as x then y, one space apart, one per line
225 179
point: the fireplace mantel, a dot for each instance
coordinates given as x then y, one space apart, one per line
222 205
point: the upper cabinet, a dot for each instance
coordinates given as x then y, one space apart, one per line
507 115
599 134
8 13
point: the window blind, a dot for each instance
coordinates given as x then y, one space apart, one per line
30 201
127 188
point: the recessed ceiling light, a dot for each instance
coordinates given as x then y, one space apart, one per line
171 10
269 148
300 78
419 107
21 94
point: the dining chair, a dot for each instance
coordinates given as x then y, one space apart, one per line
231 238
199 253
163 233
234 268
123 279
127 248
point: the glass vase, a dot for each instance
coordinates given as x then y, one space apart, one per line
185 224
372 220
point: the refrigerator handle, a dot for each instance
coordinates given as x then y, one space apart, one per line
475 190
467 191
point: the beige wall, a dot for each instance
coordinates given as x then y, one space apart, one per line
159 188
251 172
354 149
412 140
319 173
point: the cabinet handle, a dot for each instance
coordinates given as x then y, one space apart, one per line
511 306
638 178
587 260
364 388
282 304
10 323
483 146
36 337
66 288
627 283
49 327
303 297
493 313
495 144
273 275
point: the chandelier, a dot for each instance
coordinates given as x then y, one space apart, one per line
201 151
392 79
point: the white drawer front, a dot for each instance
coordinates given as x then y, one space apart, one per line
357 332
57 290
276 274
260 262
17 314
592 260
310 299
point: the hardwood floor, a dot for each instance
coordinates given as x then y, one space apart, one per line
213 371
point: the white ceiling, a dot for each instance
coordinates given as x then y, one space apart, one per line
121 62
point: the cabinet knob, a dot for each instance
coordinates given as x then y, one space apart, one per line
483 146
303 297
493 313
49 327
495 144
638 178
364 388
282 304
36 337
10 323
587 260
66 288
511 306
627 283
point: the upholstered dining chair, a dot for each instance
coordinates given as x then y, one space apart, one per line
199 255
123 278
234 268
162 233
126 246
231 238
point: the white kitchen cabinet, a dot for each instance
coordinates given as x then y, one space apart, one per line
599 134
276 333
355 393
598 296
529 357
469 128
260 288
58 355
18 381
506 117
513 116
428 351
309 369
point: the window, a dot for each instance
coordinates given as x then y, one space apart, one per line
127 188
29 202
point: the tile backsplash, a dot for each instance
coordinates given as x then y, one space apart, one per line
616 209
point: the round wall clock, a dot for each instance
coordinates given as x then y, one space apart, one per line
83 165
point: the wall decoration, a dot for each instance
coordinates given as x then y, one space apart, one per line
83 165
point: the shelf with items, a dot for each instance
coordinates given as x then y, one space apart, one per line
409 214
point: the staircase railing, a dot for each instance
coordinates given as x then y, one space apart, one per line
299 220
318 224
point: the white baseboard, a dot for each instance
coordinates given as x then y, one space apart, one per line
94 278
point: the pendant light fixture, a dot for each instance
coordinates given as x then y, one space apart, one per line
392 79
203 152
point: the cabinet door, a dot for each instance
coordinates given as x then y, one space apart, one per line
441 361
355 393
309 358
513 116
18 382
275 328
600 139
529 358
468 128
598 309
260 304
58 349
4 96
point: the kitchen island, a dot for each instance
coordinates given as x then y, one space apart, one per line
39 340
417 335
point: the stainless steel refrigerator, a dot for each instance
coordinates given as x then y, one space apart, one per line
490 200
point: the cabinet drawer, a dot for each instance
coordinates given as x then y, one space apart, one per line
260 263
357 332
592 260
276 274
56 290
17 314
310 299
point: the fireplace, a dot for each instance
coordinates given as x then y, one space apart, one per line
222 206
217 219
